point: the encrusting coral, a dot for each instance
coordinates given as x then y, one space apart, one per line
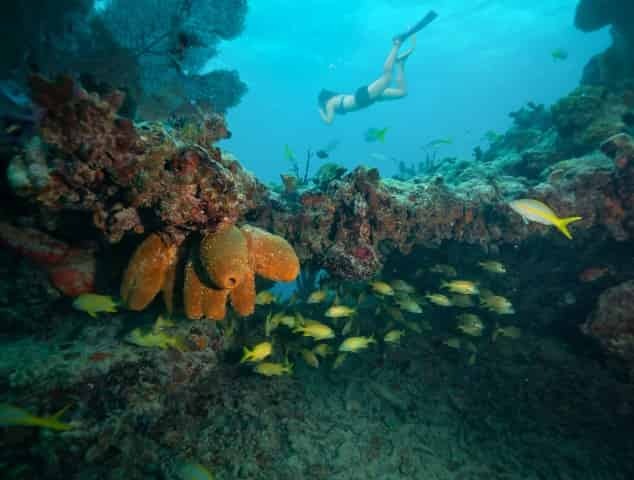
222 265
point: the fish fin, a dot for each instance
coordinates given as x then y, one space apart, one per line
91 313
562 225
245 354
53 422
525 220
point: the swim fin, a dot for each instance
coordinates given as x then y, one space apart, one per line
426 20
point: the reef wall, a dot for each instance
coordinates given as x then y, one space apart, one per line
616 64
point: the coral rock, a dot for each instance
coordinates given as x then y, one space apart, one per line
612 323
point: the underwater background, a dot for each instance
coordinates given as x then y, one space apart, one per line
477 62
211 268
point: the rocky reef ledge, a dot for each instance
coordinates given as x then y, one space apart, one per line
87 170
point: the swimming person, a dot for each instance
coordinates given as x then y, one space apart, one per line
331 103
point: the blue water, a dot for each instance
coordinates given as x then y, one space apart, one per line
474 64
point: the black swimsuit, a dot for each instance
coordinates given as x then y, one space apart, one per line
340 109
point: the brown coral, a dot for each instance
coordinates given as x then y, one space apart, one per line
222 265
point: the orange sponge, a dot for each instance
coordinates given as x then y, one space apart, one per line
145 274
201 300
225 257
272 256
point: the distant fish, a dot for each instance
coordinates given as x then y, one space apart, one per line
322 154
536 211
559 54
288 153
11 415
593 274
491 136
438 142
375 135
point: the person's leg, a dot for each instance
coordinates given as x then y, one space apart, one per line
376 88
401 84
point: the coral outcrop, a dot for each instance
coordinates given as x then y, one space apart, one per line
615 66
612 323
71 270
221 266
133 179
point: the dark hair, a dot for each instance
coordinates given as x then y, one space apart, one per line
324 96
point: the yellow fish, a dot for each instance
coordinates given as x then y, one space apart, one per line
408 304
493 266
340 311
498 304
510 332
317 296
339 360
265 298
162 323
438 299
536 211
92 304
259 352
269 369
470 324
354 344
11 415
402 286
289 321
382 288
393 336
310 358
194 471
316 330
463 287
155 339
443 269
323 350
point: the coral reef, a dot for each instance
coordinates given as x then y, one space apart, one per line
128 179
221 266
615 66
612 323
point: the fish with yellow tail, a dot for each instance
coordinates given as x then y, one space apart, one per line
382 288
322 350
269 369
509 332
393 336
194 471
93 303
492 266
258 353
316 330
439 299
355 344
339 360
265 297
536 211
310 358
462 287
317 296
157 336
11 415
339 311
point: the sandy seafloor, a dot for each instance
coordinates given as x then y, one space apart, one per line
530 408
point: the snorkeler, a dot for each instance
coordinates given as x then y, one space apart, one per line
331 103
